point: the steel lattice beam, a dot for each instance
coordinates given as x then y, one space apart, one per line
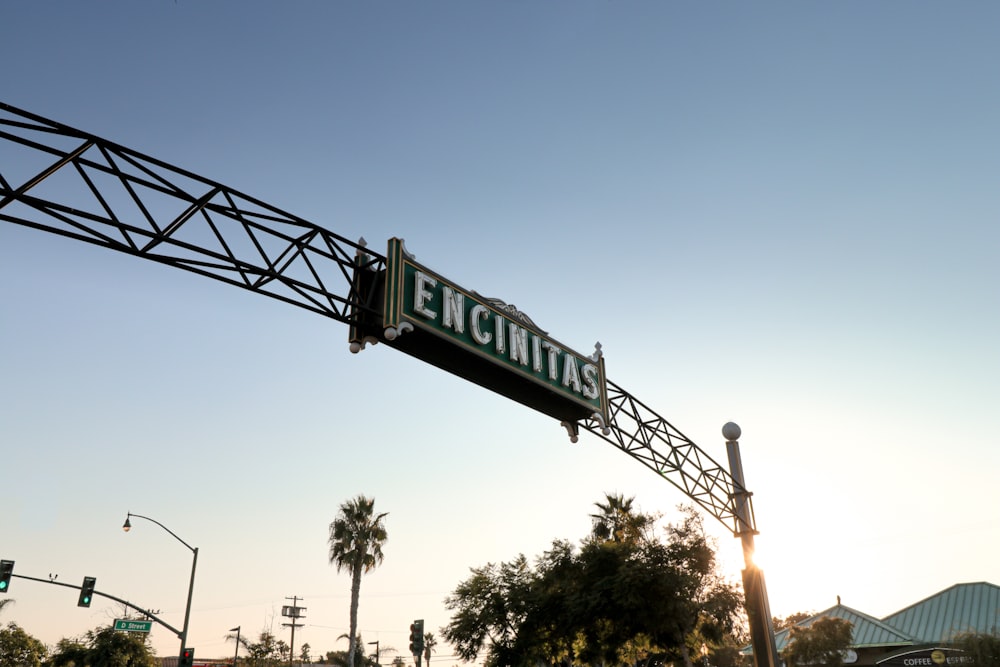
61 180
64 181
652 440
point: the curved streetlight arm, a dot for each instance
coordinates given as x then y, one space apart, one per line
128 525
194 564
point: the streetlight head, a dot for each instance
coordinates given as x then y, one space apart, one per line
127 525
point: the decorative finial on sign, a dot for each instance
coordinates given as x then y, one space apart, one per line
402 246
511 310
392 333
599 418
596 356
357 346
573 429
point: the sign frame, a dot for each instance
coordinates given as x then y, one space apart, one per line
480 339
130 625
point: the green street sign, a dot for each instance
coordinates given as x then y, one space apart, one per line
133 626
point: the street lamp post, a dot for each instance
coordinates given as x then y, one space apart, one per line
237 654
194 564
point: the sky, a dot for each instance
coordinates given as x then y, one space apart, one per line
779 214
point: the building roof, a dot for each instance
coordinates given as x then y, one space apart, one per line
866 631
971 607
962 608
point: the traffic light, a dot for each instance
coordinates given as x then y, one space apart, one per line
86 592
6 571
417 637
187 658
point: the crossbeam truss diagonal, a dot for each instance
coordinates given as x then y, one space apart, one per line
64 181
650 439
71 183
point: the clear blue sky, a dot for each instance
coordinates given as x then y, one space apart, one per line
783 215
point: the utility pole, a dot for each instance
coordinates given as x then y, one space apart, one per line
294 612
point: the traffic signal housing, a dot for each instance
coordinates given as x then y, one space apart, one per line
417 637
86 592
6 572
187 658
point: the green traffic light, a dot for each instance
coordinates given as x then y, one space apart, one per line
3 585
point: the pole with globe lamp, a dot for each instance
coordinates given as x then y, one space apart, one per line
194 564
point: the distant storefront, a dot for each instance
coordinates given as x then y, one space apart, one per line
920 635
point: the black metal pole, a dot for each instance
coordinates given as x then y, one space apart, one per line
765 653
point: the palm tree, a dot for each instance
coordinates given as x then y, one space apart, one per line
618 521
356 539
429 644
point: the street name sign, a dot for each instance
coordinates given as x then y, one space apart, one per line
133 626
481 339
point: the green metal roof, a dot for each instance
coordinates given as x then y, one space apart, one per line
938 618
961 608
866 631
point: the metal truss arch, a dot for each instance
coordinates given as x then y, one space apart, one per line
68 182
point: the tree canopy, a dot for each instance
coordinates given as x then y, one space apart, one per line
104 647
823 642
623 597
19 649
982 647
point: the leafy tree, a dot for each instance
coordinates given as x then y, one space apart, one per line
708 607
612 601
267 651
304 653
820 643
982 647
69 652
356 538
792 619
490 607
729 653
105 647
340 658
19 649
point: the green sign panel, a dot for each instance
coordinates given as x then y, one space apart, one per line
499 347
133 626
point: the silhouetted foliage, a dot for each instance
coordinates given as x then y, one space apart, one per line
19 649
104 647
982 647
822 642
623 597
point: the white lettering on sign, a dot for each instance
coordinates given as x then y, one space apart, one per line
454 307
520 345
479 312
421 281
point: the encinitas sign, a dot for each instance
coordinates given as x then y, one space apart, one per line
487 341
